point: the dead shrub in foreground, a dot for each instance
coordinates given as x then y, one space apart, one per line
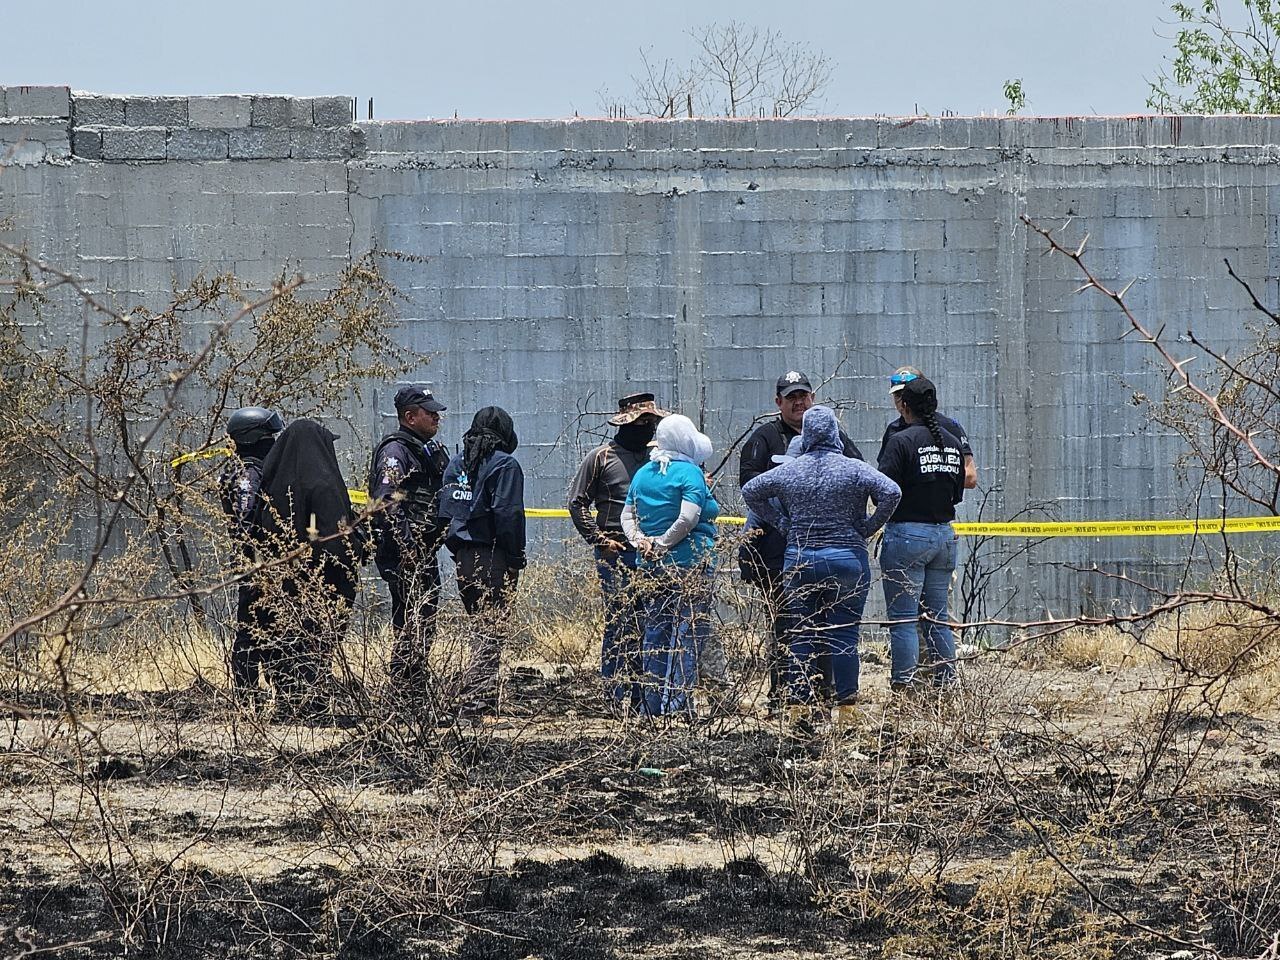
1233 891
1217 645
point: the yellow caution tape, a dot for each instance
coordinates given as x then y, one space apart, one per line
1100 528
200 455
547 513
1121 528
1097 528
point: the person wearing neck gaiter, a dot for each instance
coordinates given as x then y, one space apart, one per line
482 500
669 518
601 483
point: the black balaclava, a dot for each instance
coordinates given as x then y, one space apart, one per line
635 436
255 451
491 429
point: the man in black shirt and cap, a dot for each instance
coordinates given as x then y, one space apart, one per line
406 473
602 482
761 556
253 431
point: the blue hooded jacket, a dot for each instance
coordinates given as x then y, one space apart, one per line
487 509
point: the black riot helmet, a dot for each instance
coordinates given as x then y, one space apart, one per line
250 425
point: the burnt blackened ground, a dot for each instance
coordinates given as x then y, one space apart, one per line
598 907
192 830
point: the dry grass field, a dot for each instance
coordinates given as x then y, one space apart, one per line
1095 794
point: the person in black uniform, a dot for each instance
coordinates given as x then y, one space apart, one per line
253 431
761 556
406 472
900 378
602 482
483 502
305 509
919 552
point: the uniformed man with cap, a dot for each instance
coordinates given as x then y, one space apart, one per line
761 556
253 431
600 485
406 472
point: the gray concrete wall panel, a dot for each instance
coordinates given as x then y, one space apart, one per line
36 101
565 262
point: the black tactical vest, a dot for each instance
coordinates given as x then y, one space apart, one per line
230 493
421 485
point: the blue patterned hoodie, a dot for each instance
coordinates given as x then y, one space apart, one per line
820 498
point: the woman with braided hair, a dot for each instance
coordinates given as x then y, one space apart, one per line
919 551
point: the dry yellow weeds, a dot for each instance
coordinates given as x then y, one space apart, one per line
1239 648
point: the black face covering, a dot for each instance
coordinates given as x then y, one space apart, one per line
256 451
491 429
635 436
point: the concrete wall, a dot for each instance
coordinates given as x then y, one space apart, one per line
563 263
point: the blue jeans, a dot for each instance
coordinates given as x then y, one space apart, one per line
677 613
917 560
825 593
623 624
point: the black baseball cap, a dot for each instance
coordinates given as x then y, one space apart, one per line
919 387
792 382
417 396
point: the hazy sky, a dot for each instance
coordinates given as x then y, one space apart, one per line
515 58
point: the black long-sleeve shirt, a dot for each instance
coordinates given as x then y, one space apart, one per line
602 482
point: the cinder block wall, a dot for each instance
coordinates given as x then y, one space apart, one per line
561 263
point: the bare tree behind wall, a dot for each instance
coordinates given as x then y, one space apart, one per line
737 70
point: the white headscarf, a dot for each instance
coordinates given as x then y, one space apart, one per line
678 439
